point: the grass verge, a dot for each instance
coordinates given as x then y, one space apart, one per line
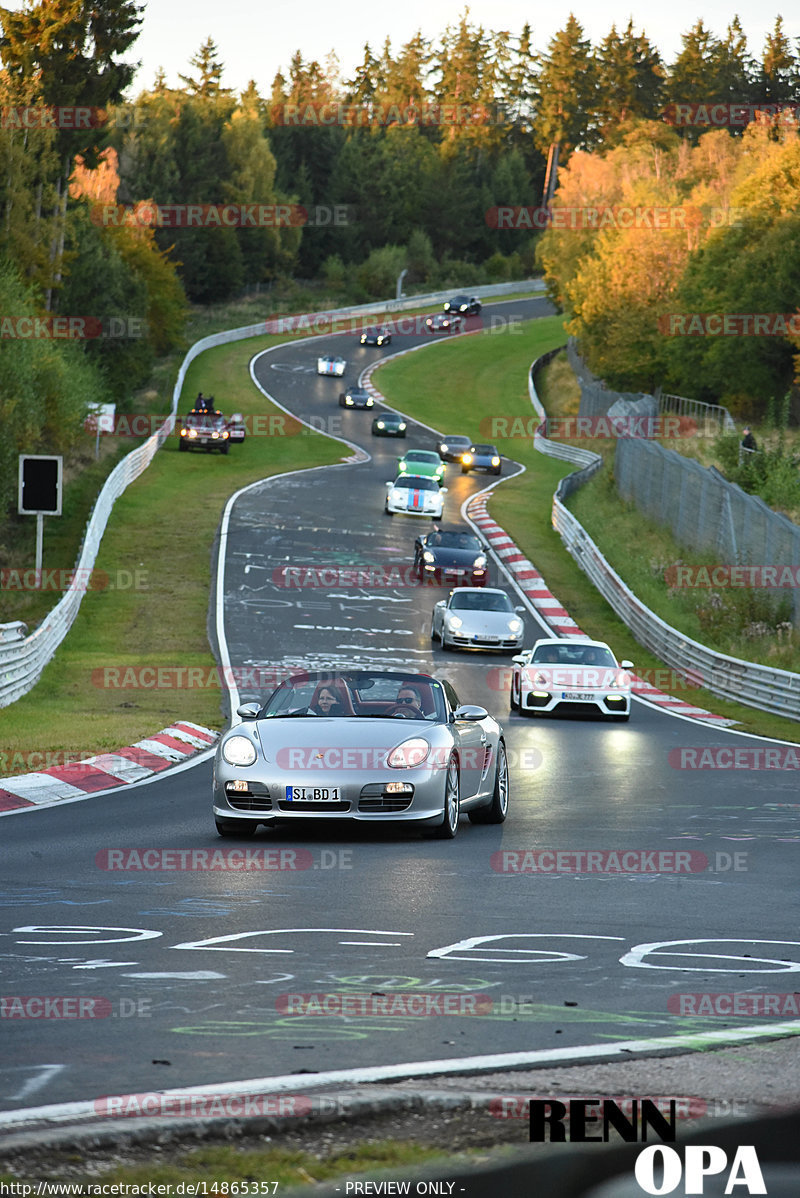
282 1168
449 390
160 533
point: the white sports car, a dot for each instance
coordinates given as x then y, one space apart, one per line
415 495
571 675
331 365
477 618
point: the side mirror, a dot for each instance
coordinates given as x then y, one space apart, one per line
442 603
248 711
521 610
626 665
389 485
520 660
442 490
470 712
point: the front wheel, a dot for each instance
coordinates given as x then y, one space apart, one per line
225 447
497 810
235 827
182 446
443 645
449 825
513 704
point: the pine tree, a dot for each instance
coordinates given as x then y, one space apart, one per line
567 100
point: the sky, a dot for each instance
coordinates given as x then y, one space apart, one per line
255 42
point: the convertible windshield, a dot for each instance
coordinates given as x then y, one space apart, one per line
570 654
481 601
453 540
359 694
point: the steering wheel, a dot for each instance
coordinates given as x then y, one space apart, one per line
409 710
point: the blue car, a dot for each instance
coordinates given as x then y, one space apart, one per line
481 457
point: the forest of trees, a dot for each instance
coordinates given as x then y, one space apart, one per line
425 140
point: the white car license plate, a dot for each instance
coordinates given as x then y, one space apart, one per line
577 695
312 794
489 640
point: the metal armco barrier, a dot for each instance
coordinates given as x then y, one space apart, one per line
763 687
22 660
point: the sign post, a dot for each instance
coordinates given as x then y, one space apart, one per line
39 493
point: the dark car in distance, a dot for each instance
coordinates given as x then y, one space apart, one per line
356 397
481 457
466 305
376 335
451 555
389 424
452 448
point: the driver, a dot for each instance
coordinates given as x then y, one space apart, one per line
410 697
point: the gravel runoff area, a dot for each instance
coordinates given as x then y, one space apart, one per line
454 1113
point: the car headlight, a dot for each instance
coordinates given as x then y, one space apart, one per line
515 625
238 750
495 461
396 495
402 427
380 424
369 402
363 338
454 621
428 556
540 679
466 458
410 753
479 563
348 401
443 449
192 432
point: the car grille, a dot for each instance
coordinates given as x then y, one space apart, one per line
321 808
373 799
485 643
255 798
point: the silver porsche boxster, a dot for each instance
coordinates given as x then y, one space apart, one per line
361 745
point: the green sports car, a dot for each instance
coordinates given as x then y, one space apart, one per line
424 462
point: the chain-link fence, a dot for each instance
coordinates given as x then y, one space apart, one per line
598 400
705 511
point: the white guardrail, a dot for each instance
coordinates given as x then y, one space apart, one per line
22 660
764 687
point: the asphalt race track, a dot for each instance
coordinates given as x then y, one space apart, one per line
191 964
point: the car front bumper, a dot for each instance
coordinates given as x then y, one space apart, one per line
362 795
